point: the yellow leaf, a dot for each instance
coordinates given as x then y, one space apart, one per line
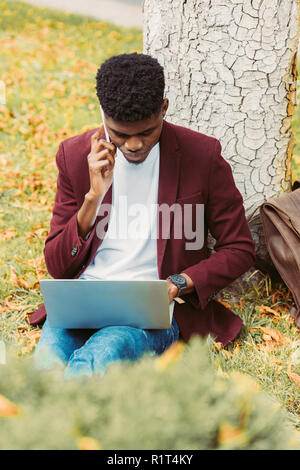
267 337
7 234
237 349
7 408
14 306
18 280
88 443
230 435
218 346
171 355
294 377
23 283
226 304
13 276
31 338
265 309
277 337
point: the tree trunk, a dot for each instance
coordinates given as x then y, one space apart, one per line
230 68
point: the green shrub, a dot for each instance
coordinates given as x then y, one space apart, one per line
151 404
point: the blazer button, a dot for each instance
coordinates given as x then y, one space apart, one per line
74 250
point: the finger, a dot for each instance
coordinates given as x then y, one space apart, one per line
96 147
103 154
108 145
105 157
100 165
97 134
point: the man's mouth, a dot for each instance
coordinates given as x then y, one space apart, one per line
135 156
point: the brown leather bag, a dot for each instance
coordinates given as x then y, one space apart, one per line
281 225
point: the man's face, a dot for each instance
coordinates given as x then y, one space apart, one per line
136 139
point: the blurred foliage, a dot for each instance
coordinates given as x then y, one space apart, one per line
175 401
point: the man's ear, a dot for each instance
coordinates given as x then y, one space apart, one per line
165 106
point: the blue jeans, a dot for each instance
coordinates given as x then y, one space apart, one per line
85 352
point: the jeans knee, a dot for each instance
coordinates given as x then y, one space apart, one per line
81 363
47 357
125 342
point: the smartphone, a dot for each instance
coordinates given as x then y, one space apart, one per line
105 130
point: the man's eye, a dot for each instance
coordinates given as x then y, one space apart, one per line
124 136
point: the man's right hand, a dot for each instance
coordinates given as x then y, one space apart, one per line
101 162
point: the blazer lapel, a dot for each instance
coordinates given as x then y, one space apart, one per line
169 169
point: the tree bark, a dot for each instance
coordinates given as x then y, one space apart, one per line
230 69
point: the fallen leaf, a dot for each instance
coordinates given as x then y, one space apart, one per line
14 306
7 408
3 160
267 337
226 304
40 270
88 443
294 377
275 335
227 354
23 283
31 338
36 285
171 355
276 361
229 434
265 309
13 276
7 234
18 280
42 232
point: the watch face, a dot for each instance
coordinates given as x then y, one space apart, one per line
179 280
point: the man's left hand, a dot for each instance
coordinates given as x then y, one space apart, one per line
173 290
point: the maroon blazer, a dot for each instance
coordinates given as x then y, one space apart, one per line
191 171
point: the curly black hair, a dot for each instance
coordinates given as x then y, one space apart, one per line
130 87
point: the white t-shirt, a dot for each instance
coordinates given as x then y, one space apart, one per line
129 248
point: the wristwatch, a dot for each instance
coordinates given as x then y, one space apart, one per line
179 281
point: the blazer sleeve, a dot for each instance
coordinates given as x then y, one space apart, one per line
234 247
65 250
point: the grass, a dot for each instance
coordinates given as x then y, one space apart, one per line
48 65
268 348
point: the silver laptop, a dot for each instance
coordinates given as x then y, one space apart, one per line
80 303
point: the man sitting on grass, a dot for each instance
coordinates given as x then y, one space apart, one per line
152 163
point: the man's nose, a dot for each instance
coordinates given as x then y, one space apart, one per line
133 144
